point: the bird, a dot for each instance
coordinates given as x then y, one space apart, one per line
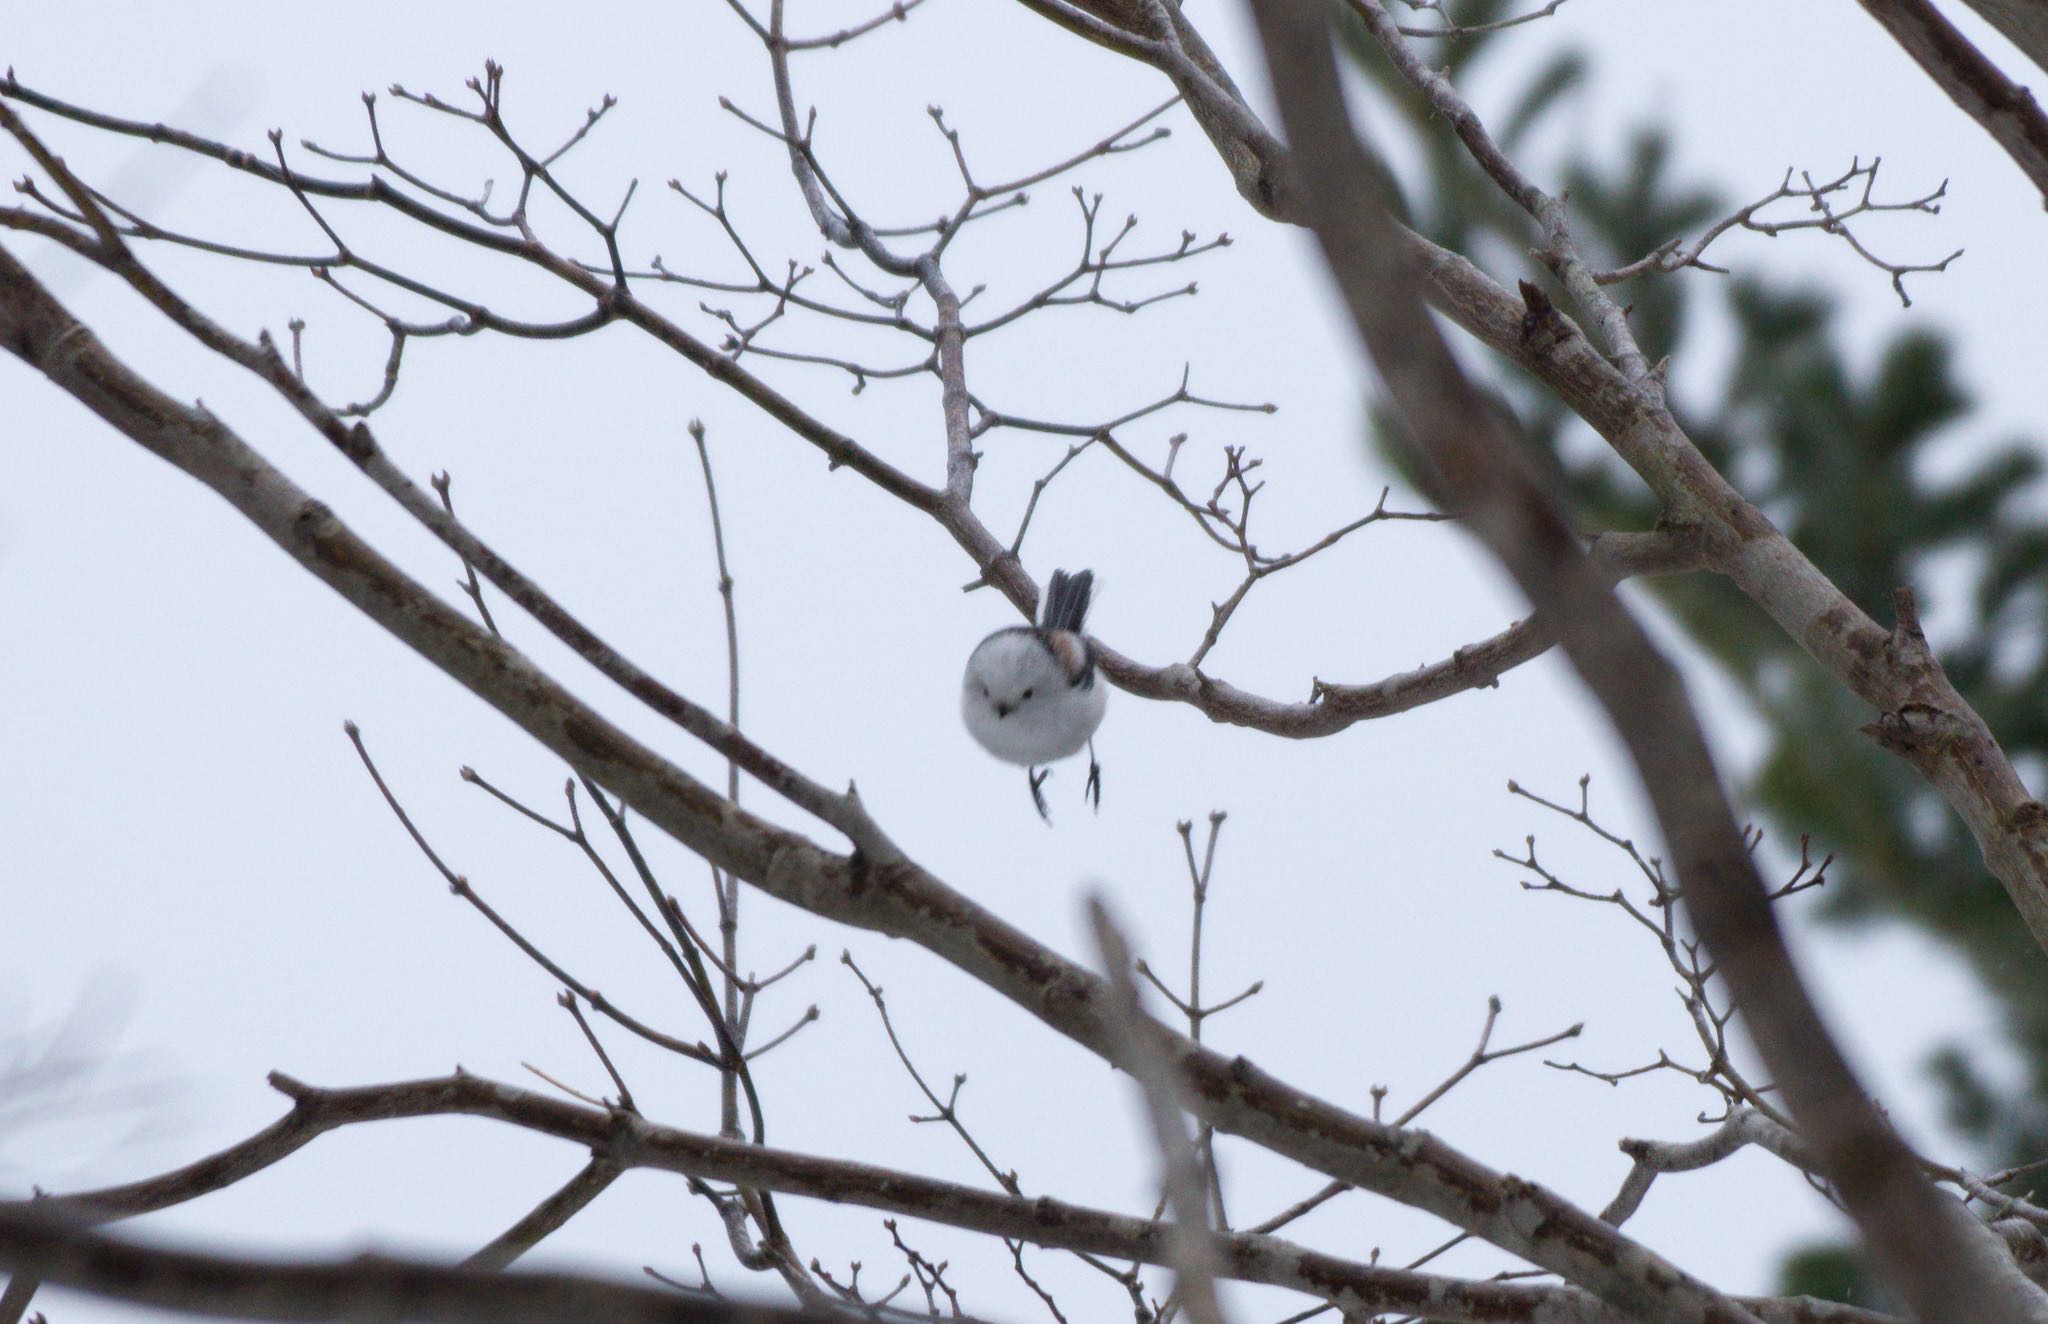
1032 693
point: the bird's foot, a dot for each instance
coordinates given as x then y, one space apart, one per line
1093 790
1037 777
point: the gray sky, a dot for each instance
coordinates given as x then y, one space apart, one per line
192 853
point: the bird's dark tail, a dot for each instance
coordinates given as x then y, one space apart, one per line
1066 600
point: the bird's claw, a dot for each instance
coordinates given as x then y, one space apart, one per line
1037 777
1092 792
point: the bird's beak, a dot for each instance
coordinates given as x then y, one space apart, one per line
1003 710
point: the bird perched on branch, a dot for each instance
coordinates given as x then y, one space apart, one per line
1032 695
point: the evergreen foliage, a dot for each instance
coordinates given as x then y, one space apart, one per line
1874 474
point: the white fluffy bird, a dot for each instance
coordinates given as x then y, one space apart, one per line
1031 694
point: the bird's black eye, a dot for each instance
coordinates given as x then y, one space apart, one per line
1027 694
984 692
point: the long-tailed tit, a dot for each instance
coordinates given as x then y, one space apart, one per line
1031 694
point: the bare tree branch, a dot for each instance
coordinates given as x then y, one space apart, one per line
1941 735
1830 218
1926 1245
2006 110
1560 249
2024 23
1744 1126
877 887
1189 1243
367 1288
547 1217
1922 1238
1450 28
632 1142
1331 707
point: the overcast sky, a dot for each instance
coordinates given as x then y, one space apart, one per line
195 871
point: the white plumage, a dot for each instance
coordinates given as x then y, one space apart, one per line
1031 693
1021 704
